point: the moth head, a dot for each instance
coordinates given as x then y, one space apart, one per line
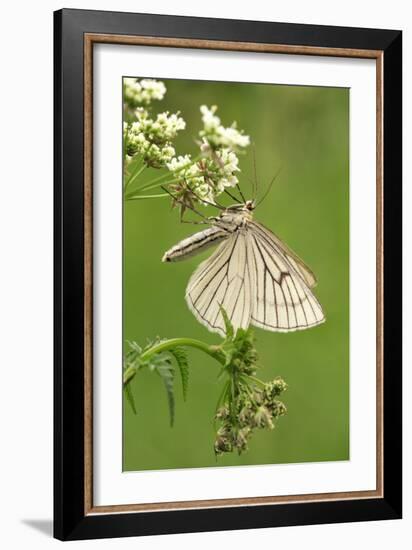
247 206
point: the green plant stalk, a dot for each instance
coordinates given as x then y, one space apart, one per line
254 379
137 192
129 374
154 182
135 175
153 185
213 351
157 182
140 197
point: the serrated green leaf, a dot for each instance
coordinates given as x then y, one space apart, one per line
228 324
182 361
223 395
128 374
165 370
135 347
229 350
129 397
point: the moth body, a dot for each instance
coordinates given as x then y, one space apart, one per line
252 274
228 222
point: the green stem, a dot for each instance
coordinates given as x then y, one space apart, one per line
159 179
158 182
139 197
250 394
255 380
213 351
151 185
222 394
129 374
134 176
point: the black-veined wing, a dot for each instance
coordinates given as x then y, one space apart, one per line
283 298
289 254
225 279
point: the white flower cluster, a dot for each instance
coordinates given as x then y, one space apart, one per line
180 162
164 128
192 177
208 177
215 135
152 138
142 92
229 164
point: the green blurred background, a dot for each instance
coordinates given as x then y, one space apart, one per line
304 131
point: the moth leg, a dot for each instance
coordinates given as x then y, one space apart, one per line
185 205
204 221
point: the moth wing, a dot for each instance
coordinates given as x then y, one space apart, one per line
225 279
284 301
284 250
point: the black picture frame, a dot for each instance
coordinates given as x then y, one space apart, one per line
71 522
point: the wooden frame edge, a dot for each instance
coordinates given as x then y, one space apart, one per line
379 274
88 276
207 44
89 40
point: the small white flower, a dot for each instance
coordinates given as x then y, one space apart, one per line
230 137
228 161
153 138
143 92
168 152
152 89
178 163
205 192
204 146
194 170
211 122
215 135
167 126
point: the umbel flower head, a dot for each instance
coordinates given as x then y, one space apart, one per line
248 403
204 179
148 137
152 138
208 177
250 409
142 92
215 135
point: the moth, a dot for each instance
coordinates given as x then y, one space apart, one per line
252 274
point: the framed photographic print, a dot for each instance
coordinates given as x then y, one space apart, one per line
227 274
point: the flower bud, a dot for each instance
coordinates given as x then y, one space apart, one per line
222 445
278 408
275 388
245 415
262 418
222 413
242 438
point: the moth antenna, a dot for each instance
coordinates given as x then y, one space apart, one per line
255 186
250 180
269 187
232 196
240 192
